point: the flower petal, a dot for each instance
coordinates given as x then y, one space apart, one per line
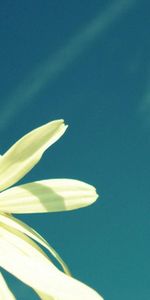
43 296
21 257
22 227
25 153
5 293
47 196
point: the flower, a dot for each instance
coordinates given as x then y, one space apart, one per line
19 253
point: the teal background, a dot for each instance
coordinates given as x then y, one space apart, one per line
87 62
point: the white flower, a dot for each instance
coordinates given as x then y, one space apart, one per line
19 253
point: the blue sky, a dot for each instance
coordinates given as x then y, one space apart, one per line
89 63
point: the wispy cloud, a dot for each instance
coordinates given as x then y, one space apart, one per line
144 107
52 67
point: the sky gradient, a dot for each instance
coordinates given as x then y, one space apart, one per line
88 63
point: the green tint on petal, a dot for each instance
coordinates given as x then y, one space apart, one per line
26 153
20 226
20 257
44 297
5 293
47 196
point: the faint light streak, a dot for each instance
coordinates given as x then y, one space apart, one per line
144 107
48 70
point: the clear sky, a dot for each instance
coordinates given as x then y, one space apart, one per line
89 63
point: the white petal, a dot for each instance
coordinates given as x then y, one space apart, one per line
5 293
22 227
20 256
24 154
47 196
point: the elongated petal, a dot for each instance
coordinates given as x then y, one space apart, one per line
5 293
22 227
24 154
47 196
20 256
